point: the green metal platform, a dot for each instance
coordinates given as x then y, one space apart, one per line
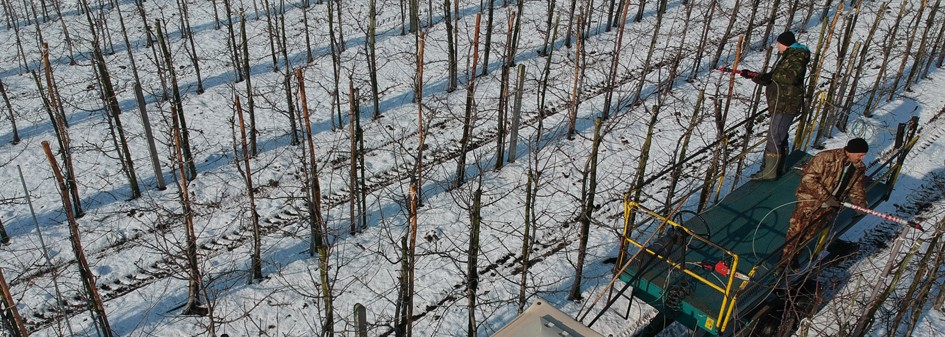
751 223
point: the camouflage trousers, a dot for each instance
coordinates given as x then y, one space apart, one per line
805 224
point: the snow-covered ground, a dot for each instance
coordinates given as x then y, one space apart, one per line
134 246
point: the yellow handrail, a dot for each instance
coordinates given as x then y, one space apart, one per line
728 298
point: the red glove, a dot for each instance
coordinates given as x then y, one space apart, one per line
749 74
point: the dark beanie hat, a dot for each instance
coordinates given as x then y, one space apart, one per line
787 38
857 145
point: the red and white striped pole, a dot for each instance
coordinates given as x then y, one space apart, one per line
885 216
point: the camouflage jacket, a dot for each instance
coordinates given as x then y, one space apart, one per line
785 93
820 178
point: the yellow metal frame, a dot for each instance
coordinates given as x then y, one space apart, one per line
728 295
807 131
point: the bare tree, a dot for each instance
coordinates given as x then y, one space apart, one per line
551 24
139 5
504 96
187 33
922 53
580 64
112 109
319 240
96 308
308 40
255 260
842 124
194 305
336 50
725 36
618 46
372 53
355 201
21 55
531 189
470 106
775 5
11 316
887 50
247 75
273 35
341 30
177 106
488 45
234 55
6 100
649 59
936 50
472 262
571 19
450 50
65 31
310 174
907 52
588 192
62 135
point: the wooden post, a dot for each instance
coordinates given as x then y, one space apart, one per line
516 112
360 320
85 273
418 178
152 149
353 191
11 315
4 238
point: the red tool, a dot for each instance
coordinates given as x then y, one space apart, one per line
745 73
723 269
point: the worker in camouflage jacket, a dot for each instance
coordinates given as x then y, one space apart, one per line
784 90
828 178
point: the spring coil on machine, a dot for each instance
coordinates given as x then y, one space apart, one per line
679 285
680 288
